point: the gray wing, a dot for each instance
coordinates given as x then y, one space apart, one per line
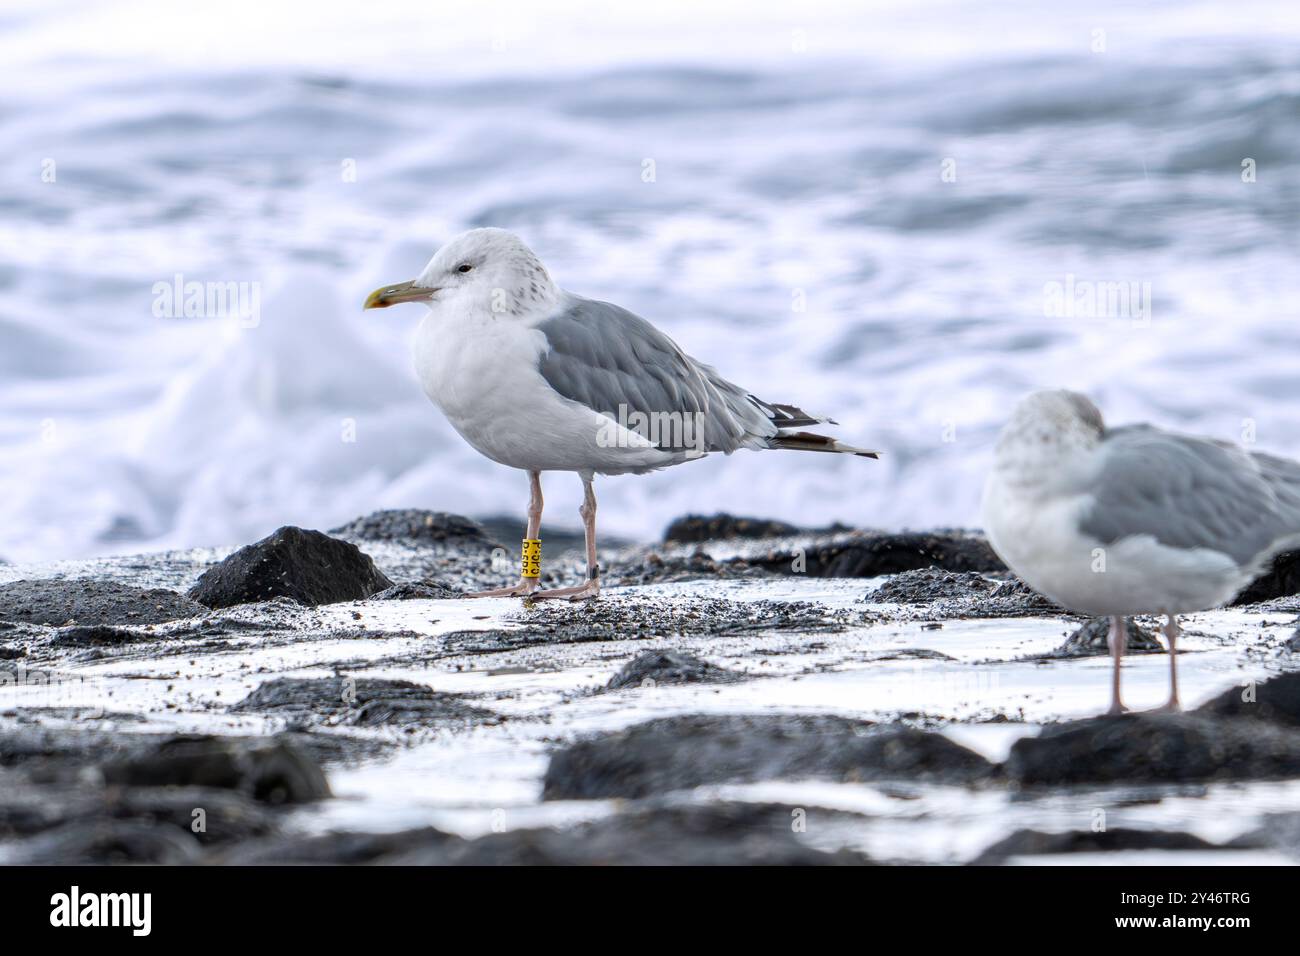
608 359
1190 492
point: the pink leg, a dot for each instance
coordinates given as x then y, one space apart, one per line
525 585
1118 639
591 588
1172 632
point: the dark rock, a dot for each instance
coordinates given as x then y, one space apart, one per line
213 816
964 594
96 635
1037 843
273 771
1281 580
617 619
362 701
90 602
717 834
1154 747
932 584
1016 594
670 667
695 528
419 590
48 754
1092 640
100 842
341 849
1278 831
415 525
1276 700
310 567
912 654
674 569
677 753
1293 642
870 555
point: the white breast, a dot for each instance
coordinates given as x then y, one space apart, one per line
482 372
1040 539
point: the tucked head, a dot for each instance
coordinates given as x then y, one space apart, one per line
1048 424
1061 410
487 269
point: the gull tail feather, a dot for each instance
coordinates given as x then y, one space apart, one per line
790 416
807 441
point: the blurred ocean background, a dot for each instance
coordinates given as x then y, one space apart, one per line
859 208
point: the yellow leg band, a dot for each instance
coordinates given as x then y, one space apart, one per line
532 558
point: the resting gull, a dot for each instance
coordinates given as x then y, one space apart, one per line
541 379
1133 520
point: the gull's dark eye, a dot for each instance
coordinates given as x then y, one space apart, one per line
464 268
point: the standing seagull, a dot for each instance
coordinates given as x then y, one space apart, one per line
1133 520
541 379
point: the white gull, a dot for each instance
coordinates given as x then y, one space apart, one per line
1133 520
541 379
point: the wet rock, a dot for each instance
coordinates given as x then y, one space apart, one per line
1293 642
96 635
90 602
912 654
1092 640
331 747
415 525
870 555
310 567
48 754
677 753
932 584
1154 747
213 816
26 809
674 569
695 528
362 701
1278 831
655 668
624 618
272 771
419 591
719 834
339 849
1015 596
101 842
968 594
1276 700
1281 580
1037 843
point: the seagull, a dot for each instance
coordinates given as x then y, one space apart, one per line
1133 520
540 379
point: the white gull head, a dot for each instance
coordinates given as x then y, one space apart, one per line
1048 432
482 272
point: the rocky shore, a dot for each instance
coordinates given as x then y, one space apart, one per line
745 692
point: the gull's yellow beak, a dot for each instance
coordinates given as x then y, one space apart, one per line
388 295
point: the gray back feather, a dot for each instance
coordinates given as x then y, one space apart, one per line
606 357
1190 492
